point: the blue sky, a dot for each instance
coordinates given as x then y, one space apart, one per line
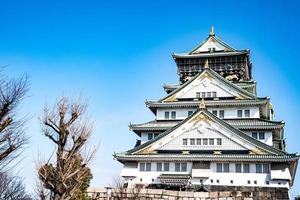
118 53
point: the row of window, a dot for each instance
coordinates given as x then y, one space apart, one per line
243 168
201 141
218 113
241 113
152 135
173 115
259 135
206 94
160 166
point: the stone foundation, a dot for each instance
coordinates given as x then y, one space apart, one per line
223 193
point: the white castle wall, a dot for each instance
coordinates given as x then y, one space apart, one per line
229 113
134 176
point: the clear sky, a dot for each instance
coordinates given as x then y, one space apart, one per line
118 53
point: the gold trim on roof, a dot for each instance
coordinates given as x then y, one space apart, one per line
202 104
206 65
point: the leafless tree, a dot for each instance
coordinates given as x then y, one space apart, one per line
12 188
68 128
122 192
12 137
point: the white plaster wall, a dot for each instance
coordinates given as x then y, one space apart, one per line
210 44
227 142
205 85
180 113
201 127
229 113
144 137
239 179
268 137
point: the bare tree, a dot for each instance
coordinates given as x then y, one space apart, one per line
12 188
12 137
69 131
122 192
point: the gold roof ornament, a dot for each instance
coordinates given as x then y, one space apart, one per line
202 104
212 31
206 65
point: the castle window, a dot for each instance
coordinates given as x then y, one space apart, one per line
211 141
254 135
258 168
177 167
246 168
211 180
255 182
142 167
203 94
214 94
150 136
184 142
166 167
173 115
183 167
205 142
248 182
159 167
219 167
148 167
247 113
192 141
219 141
209 94
190 112
261 135
167 115
180 167
221 114
226 167
231 181
198 141
215 112
198 95
240 113
266 168
238 168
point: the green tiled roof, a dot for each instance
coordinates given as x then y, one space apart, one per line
243 123
209 54
209 103
207 157
241 134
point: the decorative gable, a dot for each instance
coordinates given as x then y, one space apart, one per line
208 84
212 44
203 136
204 125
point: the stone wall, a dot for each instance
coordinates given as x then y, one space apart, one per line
154 194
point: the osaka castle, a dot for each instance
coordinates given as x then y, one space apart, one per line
211 131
